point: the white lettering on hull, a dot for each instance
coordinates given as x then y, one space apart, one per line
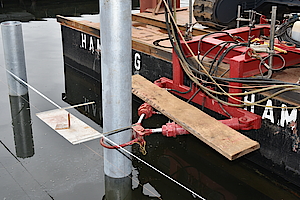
91 108
89 43
137 61
268 112
286 117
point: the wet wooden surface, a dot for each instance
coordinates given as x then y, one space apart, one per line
290 74
223 139
76 130
147 28
158 20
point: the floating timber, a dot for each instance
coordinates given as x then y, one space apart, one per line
223 139
67 125
152 58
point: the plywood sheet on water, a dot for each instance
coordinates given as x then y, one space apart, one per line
72 129
222 138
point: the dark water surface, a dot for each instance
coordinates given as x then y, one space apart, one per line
57 167
37 163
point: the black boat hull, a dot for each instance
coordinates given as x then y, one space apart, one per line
278 136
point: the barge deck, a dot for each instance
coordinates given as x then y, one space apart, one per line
153 58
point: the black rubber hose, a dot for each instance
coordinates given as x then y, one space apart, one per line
283 34
249 80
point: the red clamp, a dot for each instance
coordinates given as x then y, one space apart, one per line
136 140
173 129
146 109
169 130
263 20
243 120
140 131
138 134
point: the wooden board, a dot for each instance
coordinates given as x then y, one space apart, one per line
83 25
159 21
222 138
78 131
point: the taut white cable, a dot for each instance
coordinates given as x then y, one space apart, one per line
126 151
23 82
152 167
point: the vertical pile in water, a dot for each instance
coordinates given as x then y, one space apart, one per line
14 56
115 34
13 46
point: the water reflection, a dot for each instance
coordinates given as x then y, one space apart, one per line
82 88
118 188
196 166
185 159
21 123
123 189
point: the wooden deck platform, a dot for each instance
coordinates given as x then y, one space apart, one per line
182 17
147 28
222 138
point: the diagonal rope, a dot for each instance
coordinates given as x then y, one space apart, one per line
107 133
35 90
103 135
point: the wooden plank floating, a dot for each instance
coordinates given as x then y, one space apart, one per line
67 125
222 138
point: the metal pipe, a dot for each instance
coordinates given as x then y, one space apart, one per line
21 124
272 38
272 28
141 118
14 56
118 189
156 130
115 32
174 8
238 16
190 12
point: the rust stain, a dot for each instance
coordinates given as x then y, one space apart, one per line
295 137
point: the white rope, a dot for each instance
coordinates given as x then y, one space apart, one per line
165 175
22 81
126 151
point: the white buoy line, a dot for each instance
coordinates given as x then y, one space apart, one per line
103 135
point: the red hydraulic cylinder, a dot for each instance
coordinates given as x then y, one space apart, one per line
172 130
